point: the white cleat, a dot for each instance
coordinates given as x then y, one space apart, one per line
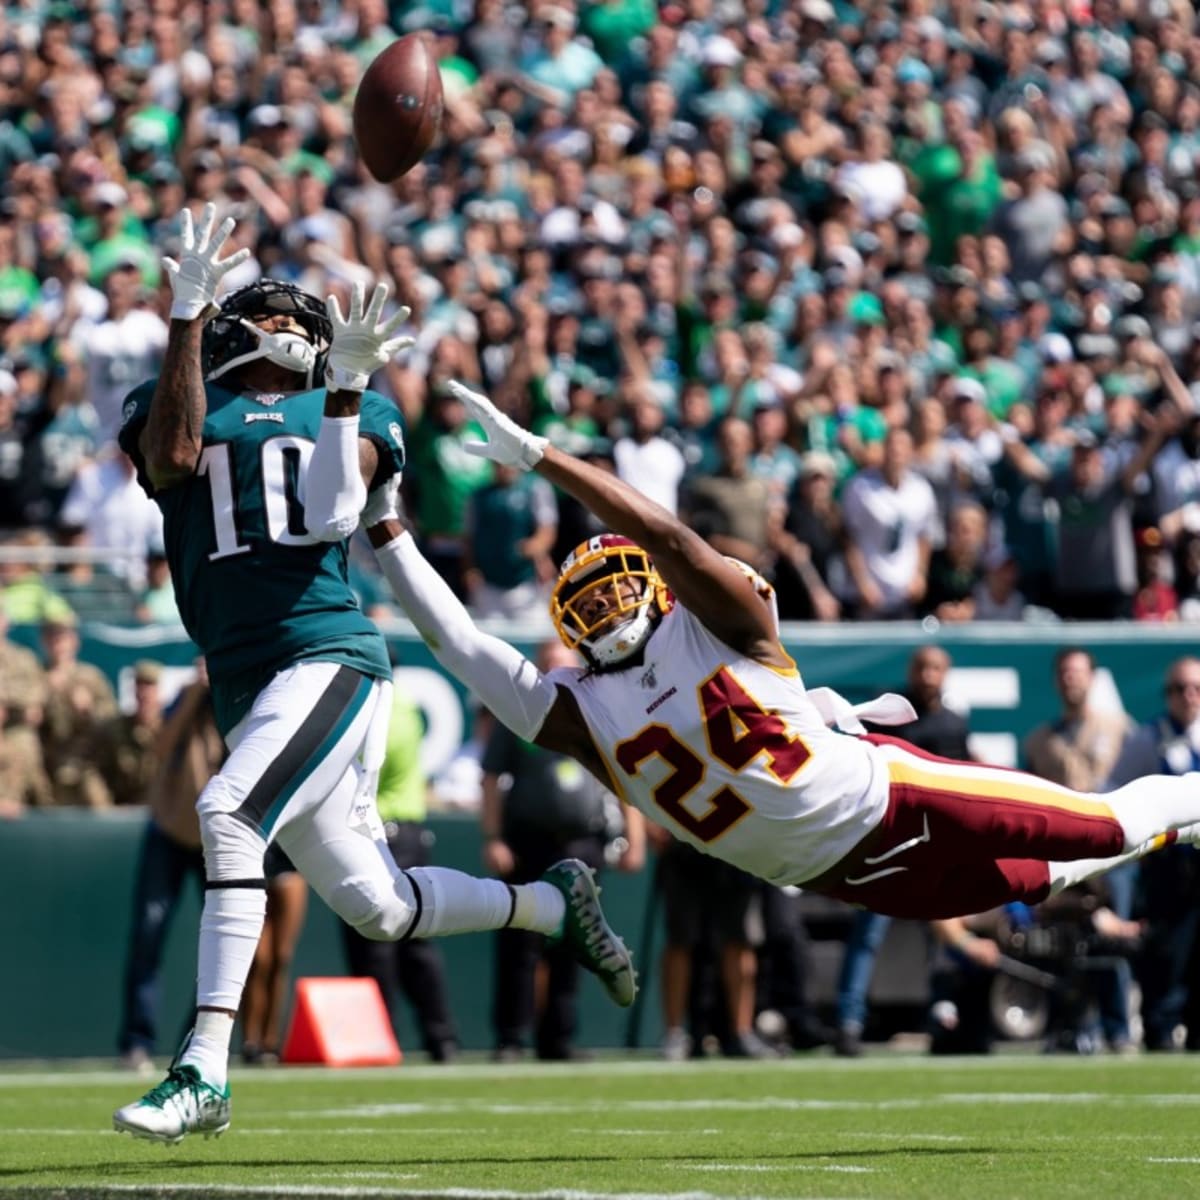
183 1103
1188 835
589 934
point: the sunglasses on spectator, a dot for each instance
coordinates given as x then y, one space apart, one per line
1179 687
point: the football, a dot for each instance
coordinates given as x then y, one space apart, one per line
398 108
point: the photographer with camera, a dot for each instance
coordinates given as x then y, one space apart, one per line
1167 970
1079 748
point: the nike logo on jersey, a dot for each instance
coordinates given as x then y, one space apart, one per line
661 700
249 418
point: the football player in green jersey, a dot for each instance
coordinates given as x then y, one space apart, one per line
262 474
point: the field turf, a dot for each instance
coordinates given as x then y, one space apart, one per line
1019 1126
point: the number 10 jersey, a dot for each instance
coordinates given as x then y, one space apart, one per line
255 590
731 755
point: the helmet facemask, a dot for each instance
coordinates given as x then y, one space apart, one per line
621 573
233 338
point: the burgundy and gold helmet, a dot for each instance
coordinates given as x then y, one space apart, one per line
604 562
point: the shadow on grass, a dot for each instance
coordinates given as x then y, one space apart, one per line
110 1170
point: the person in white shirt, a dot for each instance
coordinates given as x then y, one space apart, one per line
647 461
891 521
121 351
108 504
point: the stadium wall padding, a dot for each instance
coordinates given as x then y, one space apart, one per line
66 876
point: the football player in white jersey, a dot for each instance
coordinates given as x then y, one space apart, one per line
691 709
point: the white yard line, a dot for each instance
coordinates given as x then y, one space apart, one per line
755 1167
654 1067
166 1189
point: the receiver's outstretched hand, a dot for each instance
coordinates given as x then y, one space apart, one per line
198 272
362 341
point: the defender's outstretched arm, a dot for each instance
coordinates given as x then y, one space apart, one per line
711 588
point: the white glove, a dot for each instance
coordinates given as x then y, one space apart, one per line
361 345
508 444
196 276
383 504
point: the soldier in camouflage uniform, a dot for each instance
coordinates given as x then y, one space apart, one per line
22 680
129 741
79 704
23 781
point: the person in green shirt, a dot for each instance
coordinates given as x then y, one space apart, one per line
414 968
613 25
442 477
965 203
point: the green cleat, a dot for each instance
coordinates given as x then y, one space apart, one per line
183 1103
588 934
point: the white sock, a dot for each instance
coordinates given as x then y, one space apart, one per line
208 1048
540 907
1067 874
455 902
1155 804
230 927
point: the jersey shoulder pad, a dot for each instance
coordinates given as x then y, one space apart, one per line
382 422
134 412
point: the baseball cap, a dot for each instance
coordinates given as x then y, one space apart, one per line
146 670
967 388
109 194
817 462
719 51
865 309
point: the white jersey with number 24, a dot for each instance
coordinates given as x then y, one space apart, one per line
730 755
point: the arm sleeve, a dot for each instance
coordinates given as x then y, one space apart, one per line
503 678
334 492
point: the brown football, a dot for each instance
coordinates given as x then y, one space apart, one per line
398 108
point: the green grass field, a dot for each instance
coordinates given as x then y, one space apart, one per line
886 1126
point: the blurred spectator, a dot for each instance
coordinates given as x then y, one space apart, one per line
129 742
540 807
1079 749
996 596
734 510
890 523
23 686
23 779
644 458
712 912
189 751
107 510
265 998
1169 744
957 568
415 967
444 476
812 535
1155 599
79 704
511 528
937 730
157 605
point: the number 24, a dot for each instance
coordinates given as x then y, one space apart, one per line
738 729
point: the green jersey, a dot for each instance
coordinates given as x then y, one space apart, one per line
256 591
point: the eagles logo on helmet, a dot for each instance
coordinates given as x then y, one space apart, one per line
605 562
232 338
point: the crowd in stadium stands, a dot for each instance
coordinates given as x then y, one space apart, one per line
894 300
